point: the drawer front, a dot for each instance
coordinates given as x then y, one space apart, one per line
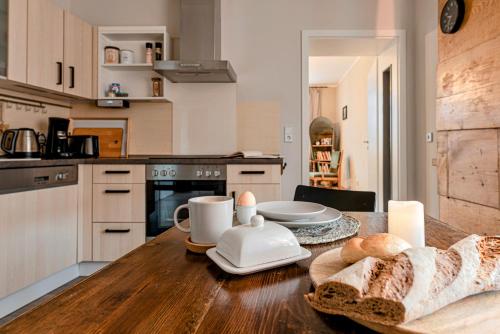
113 240
262 192
119 173
253 174
119 203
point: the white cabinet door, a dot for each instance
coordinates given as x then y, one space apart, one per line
262 192
77 56
113 240
17 40
38 235
45 44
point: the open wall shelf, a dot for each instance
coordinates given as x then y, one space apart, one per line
134 79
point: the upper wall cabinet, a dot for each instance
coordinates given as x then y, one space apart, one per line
3 38
16 43
45 45
77 56
135 75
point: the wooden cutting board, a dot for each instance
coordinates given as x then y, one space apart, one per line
110 140
474 314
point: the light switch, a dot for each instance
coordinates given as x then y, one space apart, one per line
288 134
429 137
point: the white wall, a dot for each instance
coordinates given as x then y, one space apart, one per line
352 92
204 115
262 39
424 117
128 12
204 118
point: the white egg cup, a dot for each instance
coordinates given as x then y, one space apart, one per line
245 213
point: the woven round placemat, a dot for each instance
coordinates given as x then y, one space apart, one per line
342 228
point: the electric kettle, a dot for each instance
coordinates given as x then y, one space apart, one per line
20 143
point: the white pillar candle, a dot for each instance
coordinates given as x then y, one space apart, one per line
406 220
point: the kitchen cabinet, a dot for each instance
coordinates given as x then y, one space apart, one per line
118 210
113 240
262 192
77 56
45 45
119 174
38 235
17 39
119 203
264 181
84 213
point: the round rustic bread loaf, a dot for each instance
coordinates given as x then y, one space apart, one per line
381 245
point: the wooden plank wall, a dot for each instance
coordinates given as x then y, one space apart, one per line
468 120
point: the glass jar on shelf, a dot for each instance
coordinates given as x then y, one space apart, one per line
157 84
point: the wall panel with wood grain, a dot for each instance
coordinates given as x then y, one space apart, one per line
468 120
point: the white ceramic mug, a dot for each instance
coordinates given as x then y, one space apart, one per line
209 217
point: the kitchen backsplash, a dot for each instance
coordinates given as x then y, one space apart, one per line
149 124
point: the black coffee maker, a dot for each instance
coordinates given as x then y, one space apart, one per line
57 138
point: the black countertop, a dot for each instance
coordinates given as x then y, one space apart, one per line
142 160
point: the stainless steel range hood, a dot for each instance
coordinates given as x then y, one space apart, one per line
199 46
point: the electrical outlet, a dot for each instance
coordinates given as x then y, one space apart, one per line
288 134
429 137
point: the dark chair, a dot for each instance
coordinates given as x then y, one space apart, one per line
342 200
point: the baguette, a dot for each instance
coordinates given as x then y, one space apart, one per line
412 284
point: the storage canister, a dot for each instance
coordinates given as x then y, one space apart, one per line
126 56
111 55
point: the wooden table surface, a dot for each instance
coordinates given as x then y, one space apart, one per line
162 288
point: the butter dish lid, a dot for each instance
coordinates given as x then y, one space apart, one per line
257 243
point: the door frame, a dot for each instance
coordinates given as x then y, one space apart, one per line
399 143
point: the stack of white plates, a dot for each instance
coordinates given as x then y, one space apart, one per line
295 214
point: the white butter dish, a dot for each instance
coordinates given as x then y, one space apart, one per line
231 269
257 243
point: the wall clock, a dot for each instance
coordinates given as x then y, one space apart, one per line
452 16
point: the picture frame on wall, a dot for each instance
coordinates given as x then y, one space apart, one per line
344 113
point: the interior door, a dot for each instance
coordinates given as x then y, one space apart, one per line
45 44
77 56
372 143
387 76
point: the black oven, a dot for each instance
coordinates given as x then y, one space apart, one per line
168 186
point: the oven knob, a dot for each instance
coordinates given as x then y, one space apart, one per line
199 173
163 173
208 173
172 173
216 173
155 172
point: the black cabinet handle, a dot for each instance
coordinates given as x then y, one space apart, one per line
59 73
72 77
253 172
117 191
117 172
110 230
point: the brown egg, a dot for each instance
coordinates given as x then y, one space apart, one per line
246 199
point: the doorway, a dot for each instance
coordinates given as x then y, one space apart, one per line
386 135
367 126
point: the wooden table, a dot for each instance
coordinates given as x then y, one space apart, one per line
162 288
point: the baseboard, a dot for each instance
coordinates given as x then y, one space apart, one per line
89 268
34 291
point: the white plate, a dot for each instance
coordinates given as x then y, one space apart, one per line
290 210
230 268
329 216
